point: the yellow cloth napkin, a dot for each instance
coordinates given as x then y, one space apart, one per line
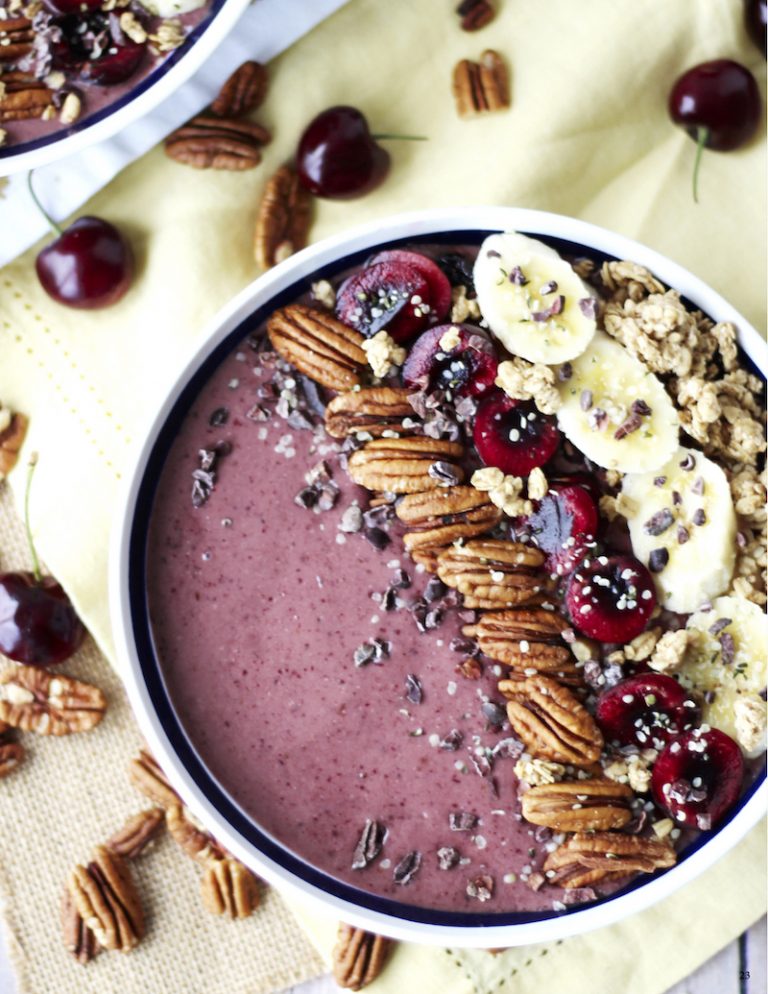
587 135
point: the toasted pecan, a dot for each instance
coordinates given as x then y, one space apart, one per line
313 341
217 143
242 92
11 440
438 518
229 888
46 703
550 720
372 411
493 573
24 97
579 805
137 834
283 219
528 640
406 465
105 896
358 957
480 87
16 39
145 774
597 857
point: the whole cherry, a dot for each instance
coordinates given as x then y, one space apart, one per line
339 158
718 104
38 624
756 22
88 266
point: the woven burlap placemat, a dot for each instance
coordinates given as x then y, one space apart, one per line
73 792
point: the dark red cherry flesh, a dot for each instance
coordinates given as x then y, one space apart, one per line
513 435
439 286
564 525
38 625
718 104
72 6
388 296
88 266
117 65
611 599
646 710
698 777
337 156
467 369
756 22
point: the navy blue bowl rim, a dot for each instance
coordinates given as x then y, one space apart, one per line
214 793
8 151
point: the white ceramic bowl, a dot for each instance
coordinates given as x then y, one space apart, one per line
206 799
148 92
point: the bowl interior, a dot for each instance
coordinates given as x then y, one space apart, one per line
149 693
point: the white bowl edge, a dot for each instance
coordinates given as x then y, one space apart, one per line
302 265
137 107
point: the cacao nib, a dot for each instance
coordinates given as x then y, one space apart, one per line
447 857
481 888
588 307
658 559
407 868
219 417
414 692
370 844
462 821
727 648
719 625
658 523
494 714
452 741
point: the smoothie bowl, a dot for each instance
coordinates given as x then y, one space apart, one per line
438 579
74 73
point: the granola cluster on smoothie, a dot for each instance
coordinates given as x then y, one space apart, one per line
567 464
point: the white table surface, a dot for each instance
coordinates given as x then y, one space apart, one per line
720 975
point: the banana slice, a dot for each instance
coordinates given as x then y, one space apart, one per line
683 528
533 301
730 676
615 410
171 8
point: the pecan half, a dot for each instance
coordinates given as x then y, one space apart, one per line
579 806
78 938
217 143
190 837
106 898
11 440
358 957
16 38
493 572
372 411
242 92
552 723
36 701
283 219
318 345
480 87
405 465
437 518
11 754
24 97
474 14
586 859
137 834
229 888
145 774
527 640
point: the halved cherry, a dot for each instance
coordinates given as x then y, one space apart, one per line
698 777
117 64
646 710
72 6
513 434
467 369
391 296
611 599
564 525
439 287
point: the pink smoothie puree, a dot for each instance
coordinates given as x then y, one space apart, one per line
258 608
323 677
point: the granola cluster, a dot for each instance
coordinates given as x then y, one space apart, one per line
720 404
505 492
524 380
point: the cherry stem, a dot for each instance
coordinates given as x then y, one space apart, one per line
702 137
30 541
54 227
404 138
